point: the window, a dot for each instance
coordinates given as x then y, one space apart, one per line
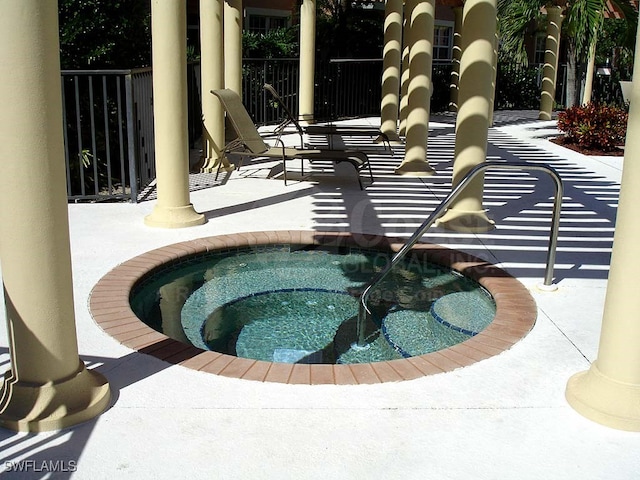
261 20
263 23
541 46
442 37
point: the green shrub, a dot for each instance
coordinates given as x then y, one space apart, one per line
99 34
594 126
517 88
276 43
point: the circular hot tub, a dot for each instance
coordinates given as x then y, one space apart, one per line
282 306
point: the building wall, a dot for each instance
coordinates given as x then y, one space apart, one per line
280 10
271 4
262 16
444 13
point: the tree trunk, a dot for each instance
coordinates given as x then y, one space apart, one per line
572 84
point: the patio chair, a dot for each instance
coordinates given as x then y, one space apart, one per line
326 129
249 143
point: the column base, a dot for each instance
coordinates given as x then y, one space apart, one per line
29 407
415 169
174 217
306 119
605 400
544 116
465 221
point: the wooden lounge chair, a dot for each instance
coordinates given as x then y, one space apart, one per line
329 130
249 143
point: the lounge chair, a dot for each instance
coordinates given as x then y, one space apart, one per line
328 130
249 143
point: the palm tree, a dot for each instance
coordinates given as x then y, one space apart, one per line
583 22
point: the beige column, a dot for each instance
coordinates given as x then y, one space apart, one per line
391 59
404 81
233 45
420 15
496 45
609 392
591 67
47 386
307 60
474 111
169 37
455 61
550 69
212 78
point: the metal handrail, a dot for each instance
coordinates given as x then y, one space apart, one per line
553 237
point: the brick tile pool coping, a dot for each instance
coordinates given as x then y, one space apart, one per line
516 313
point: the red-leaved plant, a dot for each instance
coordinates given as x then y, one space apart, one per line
594 126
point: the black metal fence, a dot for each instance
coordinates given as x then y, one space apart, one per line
99 140
282 74
347 88
108 115
606 89
343 88
108 131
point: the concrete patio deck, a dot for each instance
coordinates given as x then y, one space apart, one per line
501 418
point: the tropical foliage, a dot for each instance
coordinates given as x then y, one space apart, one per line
516 88
594 126
616 45
582 24
345 30
104 33
276 43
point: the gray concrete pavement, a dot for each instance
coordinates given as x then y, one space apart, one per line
502 418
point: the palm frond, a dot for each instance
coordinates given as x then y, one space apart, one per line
583 22
514 20
628 9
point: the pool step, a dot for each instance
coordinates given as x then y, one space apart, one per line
451 319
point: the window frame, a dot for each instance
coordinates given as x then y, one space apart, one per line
268 14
